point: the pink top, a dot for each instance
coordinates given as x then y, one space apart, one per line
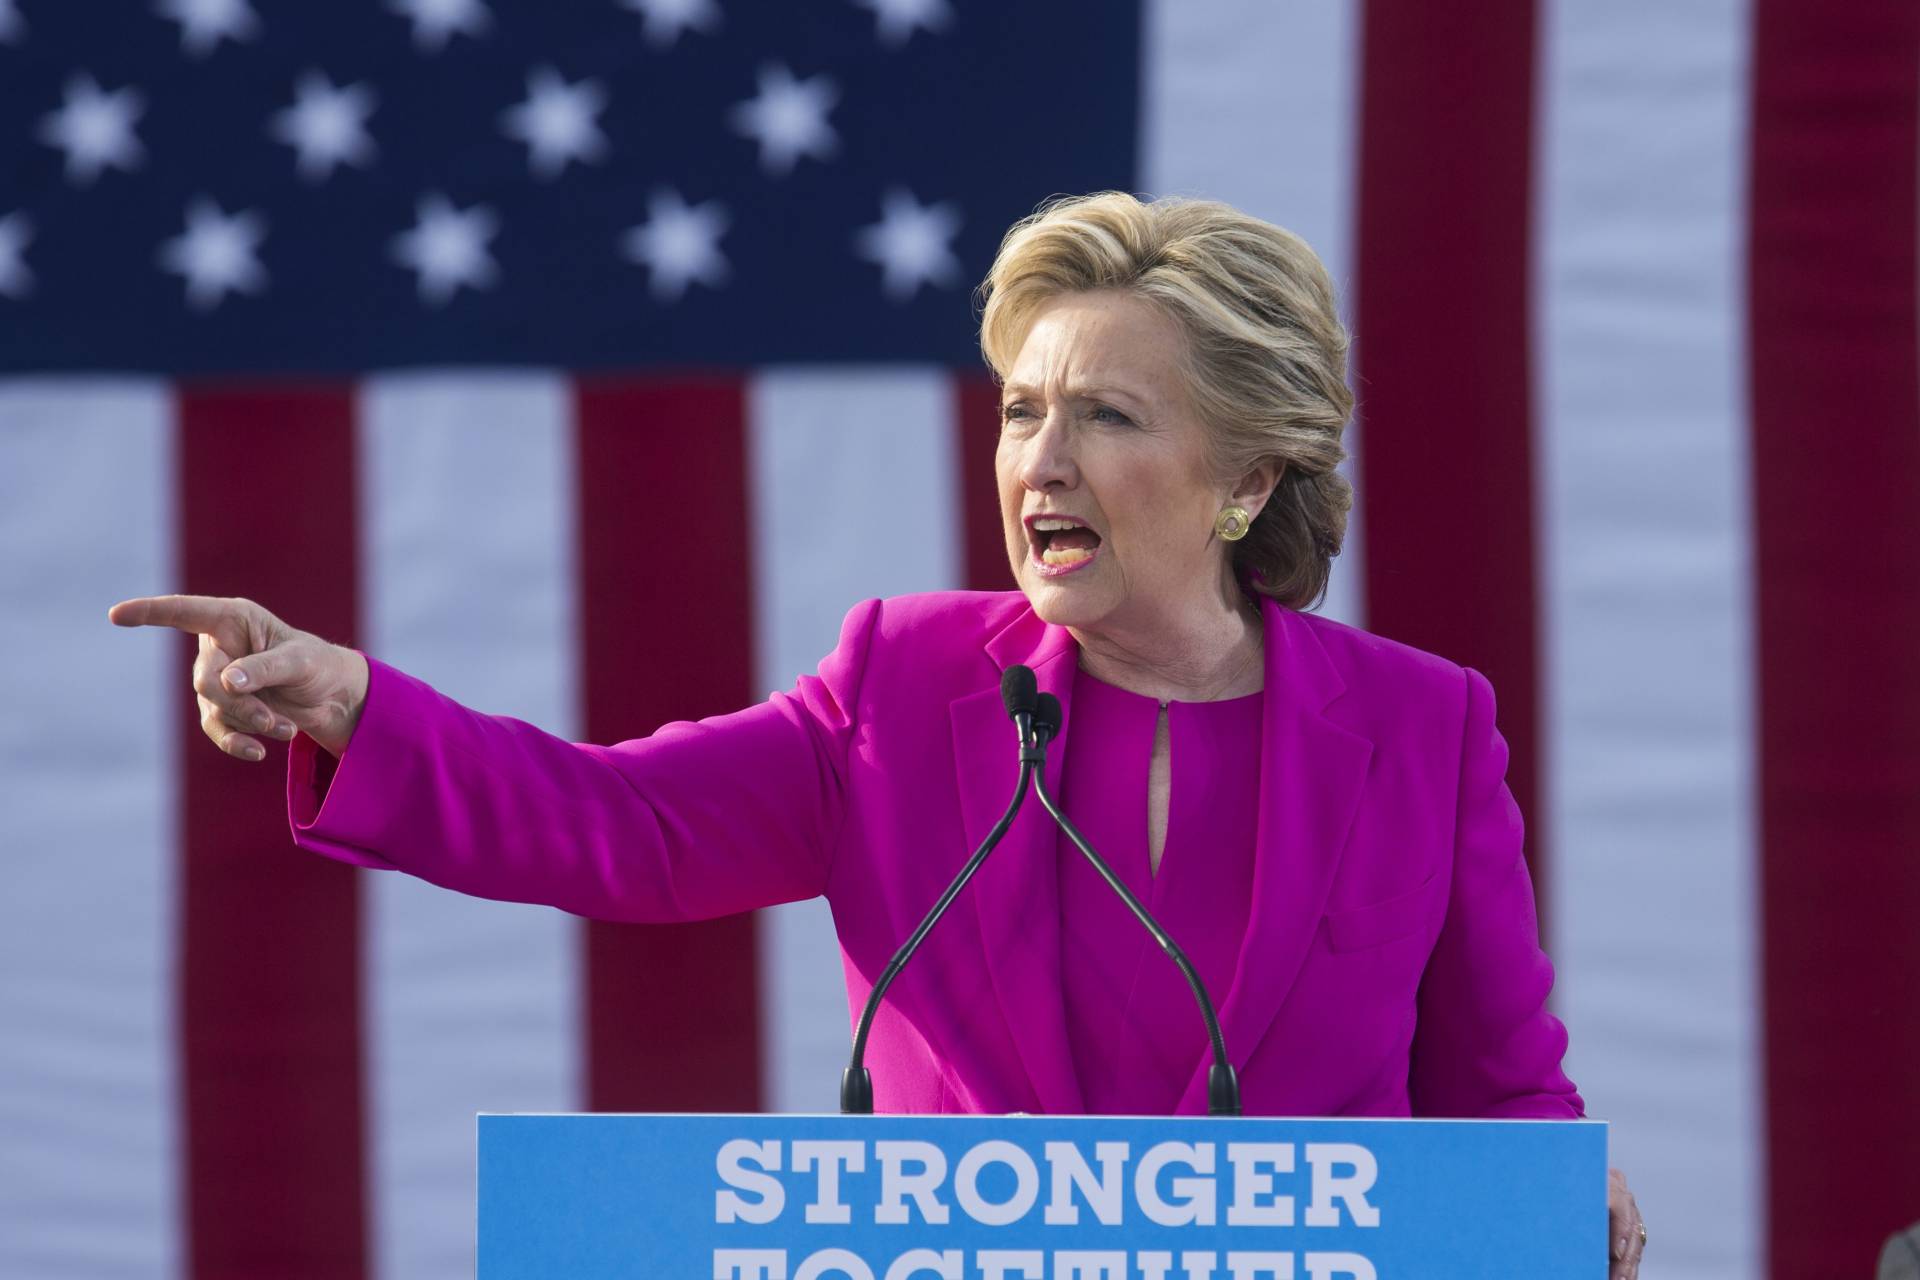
1134 1028
1389 961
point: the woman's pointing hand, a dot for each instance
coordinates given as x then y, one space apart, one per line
256 674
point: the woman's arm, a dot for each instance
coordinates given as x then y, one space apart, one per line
1484 1043
699 819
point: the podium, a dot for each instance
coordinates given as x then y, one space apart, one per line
832 1197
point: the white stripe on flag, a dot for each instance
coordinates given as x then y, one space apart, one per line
89 826
854 495
1648 669
1255 103
473 1005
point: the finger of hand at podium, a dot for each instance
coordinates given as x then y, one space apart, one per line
1623 1228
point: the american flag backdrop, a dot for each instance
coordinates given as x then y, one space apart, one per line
589 359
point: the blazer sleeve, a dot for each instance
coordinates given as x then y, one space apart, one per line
698 819
1484 1042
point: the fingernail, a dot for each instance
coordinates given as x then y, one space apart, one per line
252 753
285 729
1620 1247
236 677
264 720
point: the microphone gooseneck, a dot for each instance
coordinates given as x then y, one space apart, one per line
1017 693
1038 718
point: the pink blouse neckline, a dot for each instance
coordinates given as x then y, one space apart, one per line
1132 1023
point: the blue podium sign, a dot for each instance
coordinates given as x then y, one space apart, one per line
753 1197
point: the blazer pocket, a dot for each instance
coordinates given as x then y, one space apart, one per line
1379 923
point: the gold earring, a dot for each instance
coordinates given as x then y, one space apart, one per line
1232 524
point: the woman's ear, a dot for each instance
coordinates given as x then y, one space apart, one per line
1257 485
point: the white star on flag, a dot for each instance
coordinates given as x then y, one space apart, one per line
448 247
897 19
788 118
327 125
95 129
204 23
556 122
910 244
435 22
216 254
666 19
16 281
12 29
678 244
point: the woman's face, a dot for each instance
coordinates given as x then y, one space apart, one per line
1097 431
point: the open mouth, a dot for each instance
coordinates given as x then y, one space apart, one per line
1061 544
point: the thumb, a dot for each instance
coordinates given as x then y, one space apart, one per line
283 664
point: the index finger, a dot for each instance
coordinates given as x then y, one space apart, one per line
195 614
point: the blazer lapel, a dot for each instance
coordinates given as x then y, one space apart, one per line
1016 892
1312 771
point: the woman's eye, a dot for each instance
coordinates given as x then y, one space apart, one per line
1016 412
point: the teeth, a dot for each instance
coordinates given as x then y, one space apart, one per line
1073 555
1049 525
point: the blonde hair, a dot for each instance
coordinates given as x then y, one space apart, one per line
1264 359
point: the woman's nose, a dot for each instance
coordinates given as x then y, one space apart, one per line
1048 458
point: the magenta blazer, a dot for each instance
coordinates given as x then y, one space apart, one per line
1391 964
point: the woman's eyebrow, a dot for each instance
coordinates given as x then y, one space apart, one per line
1078 391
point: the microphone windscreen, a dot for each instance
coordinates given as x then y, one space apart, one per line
1047 714
1017 690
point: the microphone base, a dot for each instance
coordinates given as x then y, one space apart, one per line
856 1092
1223 1090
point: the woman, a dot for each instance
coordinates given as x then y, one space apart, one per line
1318 814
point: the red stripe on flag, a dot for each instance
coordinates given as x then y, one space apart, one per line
1836 492
976 414
667 634
270 1038
1442 351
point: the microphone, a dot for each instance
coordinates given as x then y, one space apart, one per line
1017 693
1047 715
1223 1085
1020 694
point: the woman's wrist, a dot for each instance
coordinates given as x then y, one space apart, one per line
334 737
